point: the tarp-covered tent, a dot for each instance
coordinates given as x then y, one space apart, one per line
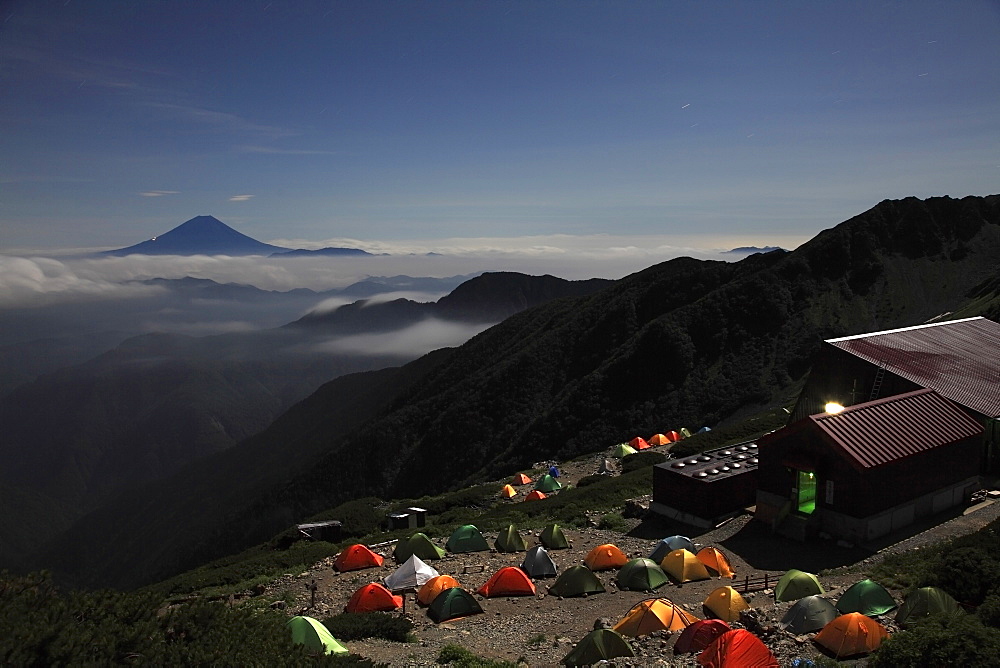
538 564
554 471
534 495
509 540
508 581
605 558
658 439
808 615
548 484
668 545
430 589
598 645
355 557
639 443
683 566
418 544
507 492
576 581
796 584
655 614
641 575
699 635
467 538
851 635
924 602
411 574
373 597
453 603
607 466
725 603
622 450
686 433
867 597
553 538
704 430
520 479
716 562
314 635
738 649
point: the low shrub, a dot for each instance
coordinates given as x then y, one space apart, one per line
614 522
459 657
589 480
641 460
357 625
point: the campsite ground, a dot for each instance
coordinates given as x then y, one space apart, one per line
541 630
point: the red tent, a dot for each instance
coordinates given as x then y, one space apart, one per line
356 557
639 443
372 598
674 436
737 649
520 479
535 496
699 635
508 581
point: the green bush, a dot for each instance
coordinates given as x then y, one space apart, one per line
459 657
941 640
967 573
589 480
356 625
614 522
641 460
989 611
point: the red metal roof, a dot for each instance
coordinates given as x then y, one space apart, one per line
886 430
960 359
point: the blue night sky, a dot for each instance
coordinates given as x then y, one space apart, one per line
736 122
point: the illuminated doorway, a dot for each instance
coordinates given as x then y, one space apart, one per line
807 492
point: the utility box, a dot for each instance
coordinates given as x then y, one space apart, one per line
328 531
399 520
418 517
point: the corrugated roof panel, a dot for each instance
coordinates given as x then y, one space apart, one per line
886 430
959 359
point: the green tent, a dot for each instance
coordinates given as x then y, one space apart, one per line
924 602
623 450
598 645
867 597
311 633
796 584
418 544
547 484
452 603
509 540
641 575
576 581
553 538
467 539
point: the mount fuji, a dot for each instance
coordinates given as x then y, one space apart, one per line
202 235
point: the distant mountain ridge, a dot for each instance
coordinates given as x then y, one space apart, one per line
201 235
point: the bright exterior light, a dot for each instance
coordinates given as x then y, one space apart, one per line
833 408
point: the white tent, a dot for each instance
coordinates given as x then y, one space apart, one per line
411 574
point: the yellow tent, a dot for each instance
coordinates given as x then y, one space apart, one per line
508 492
655 614
716 561
605 557
683 566
726 603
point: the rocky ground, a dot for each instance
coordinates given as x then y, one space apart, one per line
541 630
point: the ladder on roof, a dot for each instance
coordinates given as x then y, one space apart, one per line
877 385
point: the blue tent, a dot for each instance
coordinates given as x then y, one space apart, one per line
553 471
669 544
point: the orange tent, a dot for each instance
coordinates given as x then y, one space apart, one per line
738 649
639 443
674 436
658 439
683 566
372 598
508 581
655 614
605 557
716 561
356 557
437 584
726 604
520 479
851 634
508 492
535 496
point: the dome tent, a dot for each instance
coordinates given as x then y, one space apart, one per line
737 649
623 450
598 645
538 564
373 597
520 479
534 495
437 584
668 545
605 557
452 603
508 581
410 575
655 614
867 597
726 604
467 538
509 540
641 575
796 584
808 615
716 561
851 634
356 557
924 602
553 538
699 635
576 581
417 544
658 439
507 492
683 567
548 484
639 443
314 635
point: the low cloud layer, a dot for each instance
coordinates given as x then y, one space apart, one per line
410 342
